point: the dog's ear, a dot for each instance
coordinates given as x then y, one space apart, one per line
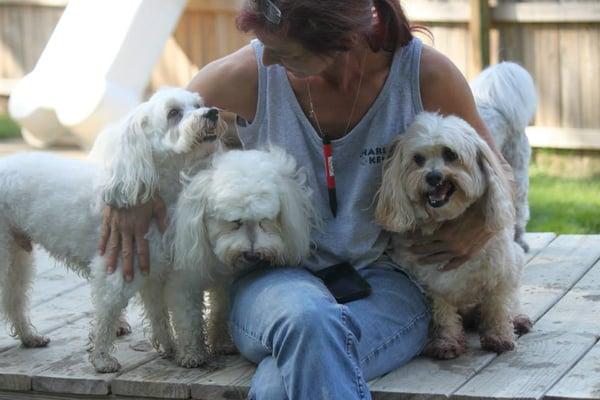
131 176
188 234
394 210
498 204
297 216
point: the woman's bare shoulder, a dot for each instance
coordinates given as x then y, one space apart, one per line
230 83
444 89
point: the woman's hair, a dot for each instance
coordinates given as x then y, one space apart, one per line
323 26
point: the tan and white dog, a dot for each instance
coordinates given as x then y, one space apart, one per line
437 169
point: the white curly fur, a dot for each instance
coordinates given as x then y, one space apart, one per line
506 100
251 207
57 203
462 172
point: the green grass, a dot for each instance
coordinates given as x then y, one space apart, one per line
8 127
563 204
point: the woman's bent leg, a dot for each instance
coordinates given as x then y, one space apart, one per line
288 314
306 345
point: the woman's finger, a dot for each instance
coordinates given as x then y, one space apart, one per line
104 231
429 248
143 253
437 258
127 253
113 251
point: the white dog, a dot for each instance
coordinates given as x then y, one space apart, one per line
438 168
250 208
57 203
506 100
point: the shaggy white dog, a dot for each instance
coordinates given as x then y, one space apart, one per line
438 168
57 203
506 100
250 208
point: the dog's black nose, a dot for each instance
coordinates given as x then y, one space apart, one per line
434 178
212 114
250 257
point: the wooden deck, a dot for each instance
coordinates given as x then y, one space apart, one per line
560 359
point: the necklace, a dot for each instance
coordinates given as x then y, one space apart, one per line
327 149
313 114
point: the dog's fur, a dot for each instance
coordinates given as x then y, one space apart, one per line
57 203
506 100
251 207
437 169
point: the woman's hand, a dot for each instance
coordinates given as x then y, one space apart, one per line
454 243
124 228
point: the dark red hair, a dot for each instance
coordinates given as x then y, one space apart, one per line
323 26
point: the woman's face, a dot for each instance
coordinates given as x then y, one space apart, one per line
291 55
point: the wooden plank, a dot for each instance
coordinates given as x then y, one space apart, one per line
564 138
230 6
582 381
54 312
5 395
538 362
589 57
428 11
547 65
537 242
74 374
479 33
40 3
231 382
158 378
569 77
547 12
550 274
579 310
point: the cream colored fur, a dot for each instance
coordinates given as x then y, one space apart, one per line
448 148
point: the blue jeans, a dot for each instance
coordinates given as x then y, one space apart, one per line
309 347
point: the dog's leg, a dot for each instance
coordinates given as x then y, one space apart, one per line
16 277
186 304
218 336
447 336
496 327
156 312
123 327
110 295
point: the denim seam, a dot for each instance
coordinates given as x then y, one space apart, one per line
357 370
393 337
250 335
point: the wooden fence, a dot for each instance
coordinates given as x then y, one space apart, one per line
557 41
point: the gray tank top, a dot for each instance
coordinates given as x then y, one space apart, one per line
352 235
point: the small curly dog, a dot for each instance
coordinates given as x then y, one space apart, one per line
438 168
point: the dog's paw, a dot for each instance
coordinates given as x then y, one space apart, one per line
104 363
522 324
191 360
123 328
445 348
35 341
497 343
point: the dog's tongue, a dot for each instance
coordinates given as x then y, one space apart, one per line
440 191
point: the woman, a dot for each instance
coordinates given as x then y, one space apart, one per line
347 72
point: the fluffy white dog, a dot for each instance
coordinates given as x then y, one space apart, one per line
57 203
438 168
506 100
250 208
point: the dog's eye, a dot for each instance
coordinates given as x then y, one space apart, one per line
238 223
419 160
173 113
197 106
449 155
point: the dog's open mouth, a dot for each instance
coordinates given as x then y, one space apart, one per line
440 194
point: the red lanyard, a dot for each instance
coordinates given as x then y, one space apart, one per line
330 174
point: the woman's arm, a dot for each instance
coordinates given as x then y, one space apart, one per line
230 83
